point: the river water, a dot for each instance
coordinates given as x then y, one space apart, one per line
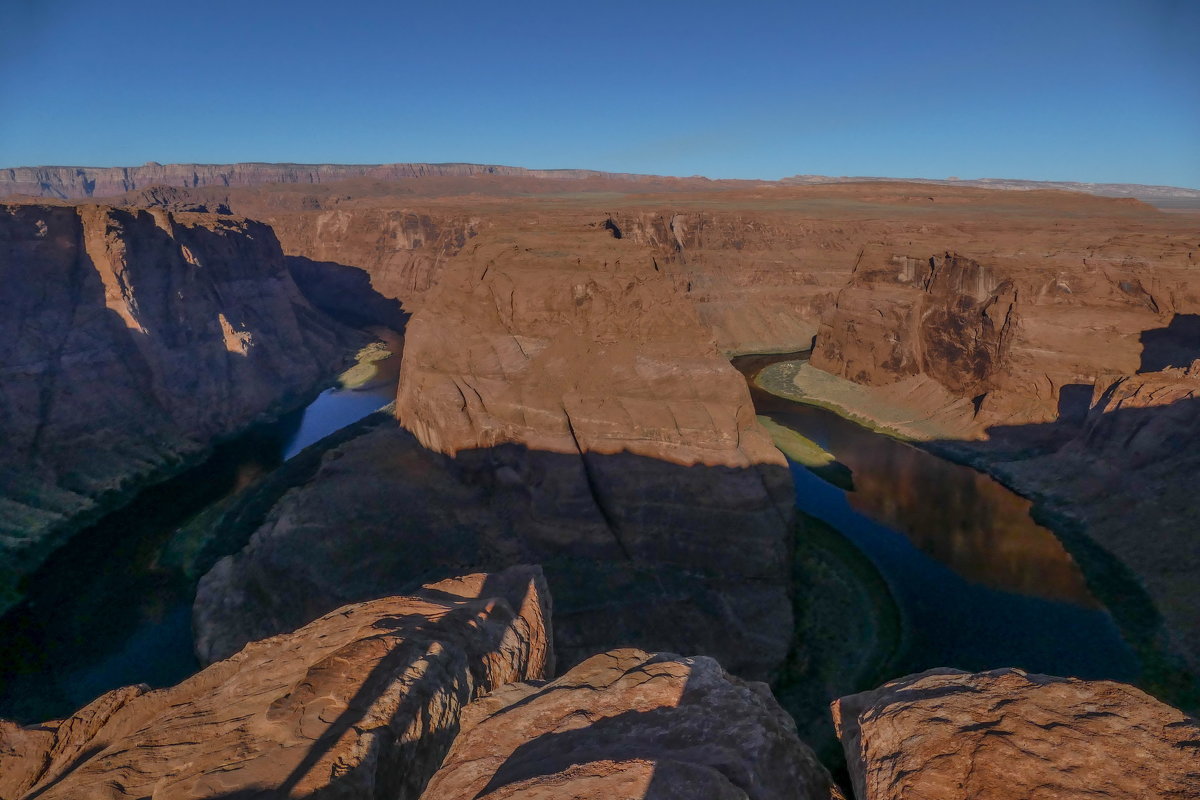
979 584
113 606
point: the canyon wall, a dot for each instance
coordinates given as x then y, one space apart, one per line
566 406
134 339
1018 336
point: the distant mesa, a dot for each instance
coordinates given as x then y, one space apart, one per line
77 182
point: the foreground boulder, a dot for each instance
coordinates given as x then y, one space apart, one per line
627 724
947 734
363 702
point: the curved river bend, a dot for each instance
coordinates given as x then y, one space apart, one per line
113 606
978 583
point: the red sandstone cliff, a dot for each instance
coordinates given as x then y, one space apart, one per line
133 338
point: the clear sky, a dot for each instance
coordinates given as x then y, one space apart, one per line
1091 90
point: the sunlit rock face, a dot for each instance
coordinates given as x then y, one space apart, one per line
627 725
134 337
1021 324
1007 734
363 703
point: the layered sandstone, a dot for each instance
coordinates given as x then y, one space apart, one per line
948 734
363 702
135 338
627 725
1017 335
574 412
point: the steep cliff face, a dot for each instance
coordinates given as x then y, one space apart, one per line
948 317
1020 336
136 337
760 281
575 412
401 251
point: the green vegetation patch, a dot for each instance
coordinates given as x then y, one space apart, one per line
849 633
809 454
374 364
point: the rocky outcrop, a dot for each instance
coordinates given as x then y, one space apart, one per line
135 338
363 702
1019 337
948 734
579 416
630 725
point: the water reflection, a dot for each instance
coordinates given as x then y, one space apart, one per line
981 584
961 517
113 607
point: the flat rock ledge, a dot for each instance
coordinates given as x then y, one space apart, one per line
946 734
630 725
363 702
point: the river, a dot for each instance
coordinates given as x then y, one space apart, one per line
113 606
979 584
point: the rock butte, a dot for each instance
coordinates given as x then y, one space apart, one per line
565 400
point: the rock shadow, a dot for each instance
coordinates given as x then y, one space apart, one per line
1176 345
345 293
398 766
1126 466
638 552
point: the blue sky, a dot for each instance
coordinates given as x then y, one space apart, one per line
1095 90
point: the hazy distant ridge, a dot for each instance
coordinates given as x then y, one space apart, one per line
1138 190
75 183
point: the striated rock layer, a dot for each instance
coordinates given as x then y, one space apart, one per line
627 725
947 734
363 703
590 425
135 337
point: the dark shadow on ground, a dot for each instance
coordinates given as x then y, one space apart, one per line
345 293
637 551
1120 494
1176 345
